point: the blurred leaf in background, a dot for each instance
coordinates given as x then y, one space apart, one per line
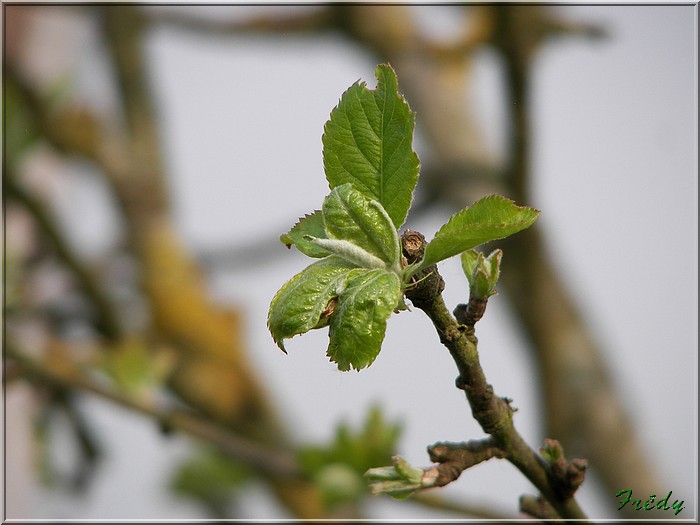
211 479
338 467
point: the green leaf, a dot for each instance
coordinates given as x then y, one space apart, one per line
307 298
136 368
350 252
358 323
493 217
210 477
470 261
351 216
308 226
368 142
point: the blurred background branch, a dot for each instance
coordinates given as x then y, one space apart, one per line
157 332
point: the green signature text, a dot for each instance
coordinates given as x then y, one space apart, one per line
650 504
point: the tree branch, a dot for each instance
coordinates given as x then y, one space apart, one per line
304 21
586 412
582 414
107 321
212 373
537 507
455 458
493 413
273 462
479 511
69 377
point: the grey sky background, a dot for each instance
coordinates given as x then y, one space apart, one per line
615 175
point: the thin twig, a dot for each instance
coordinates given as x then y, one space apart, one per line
455 458
483 511
264 459
107 321
300 22
273 462
537 507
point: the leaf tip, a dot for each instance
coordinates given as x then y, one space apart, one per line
385 67
279 342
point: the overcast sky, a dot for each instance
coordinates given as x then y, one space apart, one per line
615 175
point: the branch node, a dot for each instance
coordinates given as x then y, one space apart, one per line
509 402
428 283
461 383
567 476
471 313
455 458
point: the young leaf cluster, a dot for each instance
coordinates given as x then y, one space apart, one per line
399 480
481 272
361 276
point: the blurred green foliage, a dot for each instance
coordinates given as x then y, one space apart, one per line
211 479
338 467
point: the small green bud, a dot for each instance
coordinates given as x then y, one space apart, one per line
406 471
382 474
481 272
552 450
399 481
399 489
470 261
